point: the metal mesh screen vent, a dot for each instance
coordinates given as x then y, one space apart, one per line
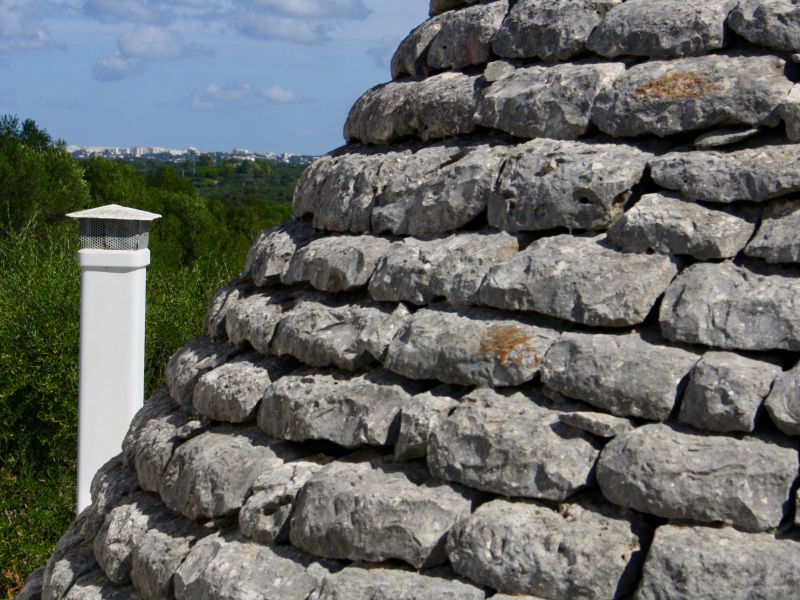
113 234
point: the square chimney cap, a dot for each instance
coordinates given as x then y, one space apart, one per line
115 212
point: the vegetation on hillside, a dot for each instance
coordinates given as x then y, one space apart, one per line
199 244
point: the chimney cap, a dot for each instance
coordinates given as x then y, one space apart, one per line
115 212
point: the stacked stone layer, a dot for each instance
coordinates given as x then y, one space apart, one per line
535 330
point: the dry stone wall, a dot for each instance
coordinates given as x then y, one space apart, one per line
533 332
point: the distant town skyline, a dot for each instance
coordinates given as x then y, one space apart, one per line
266 75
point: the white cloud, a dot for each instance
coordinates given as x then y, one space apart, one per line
125 10
116 67
269 27
21 28
216 96
382 52
277 93
316 9
151 43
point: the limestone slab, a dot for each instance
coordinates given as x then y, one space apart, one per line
511 445
191 362
465 36
218 308
598 424
670 225
411 56
94 586
273 248
777 239
732 307
667 97
783 402
773 24
678 475
421 415
468 347
251 320
547 184
578 279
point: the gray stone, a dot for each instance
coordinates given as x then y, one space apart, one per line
468 347
686 563
321 332
189 363
32 590
465 36
752 174
668 473
416 270
231 392
547 29
94 586
218 308
731 307
511 445
158 556
547 184
411 56
585 549
783 402
349 410
390 583
159 405
375 511
121 533
686 94
211 475
339 190
429 198
768 23
725 391
264 518
599 424
437 107
790 112
579 280
273 249
670 225
777 240
797 507
440 6
336 263
111 485
421 415
252 319
228 567
72 557
662 29
724 137
554 102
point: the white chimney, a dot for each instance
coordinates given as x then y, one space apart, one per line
113 257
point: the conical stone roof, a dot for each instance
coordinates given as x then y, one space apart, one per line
533 330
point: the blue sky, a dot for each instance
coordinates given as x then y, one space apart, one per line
216 74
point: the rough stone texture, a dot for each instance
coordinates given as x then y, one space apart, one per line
273 249
411 56
547 184
777 240
336 263
32 590
264 518
579 280
252 319
440 6
663 29
624 374
547 29
94 586
231 392
677 475
228 567
159 555
670 225
339 190
686 563
554 102
769 23
511 445
218 309
437 107
511 546
421 201
600 424
384 583
725 391
111 486
468 347
71 558
189 363
790 112
454 266
752 174
348 410
783 402
321 332
465 36
421 415
667 97
211 475
732 307
724 137
374 511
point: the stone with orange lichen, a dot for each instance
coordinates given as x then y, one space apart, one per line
687 94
